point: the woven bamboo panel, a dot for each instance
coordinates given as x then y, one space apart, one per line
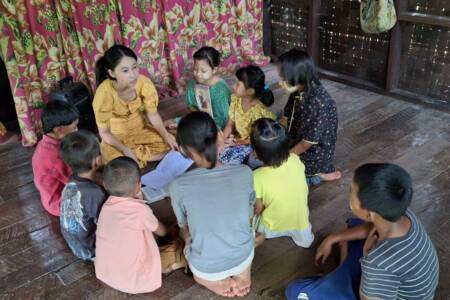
431 7
289 25
345 49
425 60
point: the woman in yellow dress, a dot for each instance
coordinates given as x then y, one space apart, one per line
125 106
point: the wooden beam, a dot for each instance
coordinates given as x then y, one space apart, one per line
395 44
313 29
413 17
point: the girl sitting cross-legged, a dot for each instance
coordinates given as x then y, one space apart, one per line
249 102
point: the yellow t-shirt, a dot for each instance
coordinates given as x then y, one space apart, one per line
243 120
284 193
107 104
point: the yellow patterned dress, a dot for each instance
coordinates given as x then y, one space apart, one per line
127 120
243 121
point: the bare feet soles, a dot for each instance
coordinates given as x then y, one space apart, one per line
222 287
238 285
331 176
242 283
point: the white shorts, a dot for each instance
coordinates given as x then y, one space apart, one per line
225 274
303 238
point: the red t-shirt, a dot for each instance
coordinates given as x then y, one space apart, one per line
51 173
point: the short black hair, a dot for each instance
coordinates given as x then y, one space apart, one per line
270 141
297 67
210 54
198 131
79 149
253 77
120 176
58 113
384 188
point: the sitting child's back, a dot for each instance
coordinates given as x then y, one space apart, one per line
280 185
82 196
284 193
127 258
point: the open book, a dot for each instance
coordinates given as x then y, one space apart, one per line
157 181
154 194
203 97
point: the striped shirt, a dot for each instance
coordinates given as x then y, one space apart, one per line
401 268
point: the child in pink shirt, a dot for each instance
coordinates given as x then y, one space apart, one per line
127 256
50 172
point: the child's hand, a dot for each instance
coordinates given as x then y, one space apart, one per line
242 142
371 240
229 141
139 195
324 250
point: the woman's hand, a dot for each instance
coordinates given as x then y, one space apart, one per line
170 140
130 154
324 250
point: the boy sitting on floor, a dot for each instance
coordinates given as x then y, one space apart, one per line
127 256
386 253
51 173
83 195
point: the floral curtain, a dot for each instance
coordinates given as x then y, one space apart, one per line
42 41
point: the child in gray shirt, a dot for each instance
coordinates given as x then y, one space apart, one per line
213 205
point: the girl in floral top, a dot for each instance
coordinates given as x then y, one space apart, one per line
206 63
310 116
249 102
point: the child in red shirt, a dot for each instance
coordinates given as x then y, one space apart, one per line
50 172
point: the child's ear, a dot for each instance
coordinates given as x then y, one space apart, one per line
98 162
251 91
58 132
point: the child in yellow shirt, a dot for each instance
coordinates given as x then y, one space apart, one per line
249 102
280 187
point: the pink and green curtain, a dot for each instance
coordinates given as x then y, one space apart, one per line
42 41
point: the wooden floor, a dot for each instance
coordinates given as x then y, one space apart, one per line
36 263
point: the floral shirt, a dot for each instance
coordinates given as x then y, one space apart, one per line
313 118
243 120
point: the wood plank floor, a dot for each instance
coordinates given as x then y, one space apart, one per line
36 263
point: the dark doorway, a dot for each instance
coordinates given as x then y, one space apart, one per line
8 115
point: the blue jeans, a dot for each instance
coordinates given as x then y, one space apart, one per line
341 284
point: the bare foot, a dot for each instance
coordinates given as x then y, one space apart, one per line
222 287
331 176
243 282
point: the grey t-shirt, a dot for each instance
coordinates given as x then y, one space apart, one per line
216 204
402 268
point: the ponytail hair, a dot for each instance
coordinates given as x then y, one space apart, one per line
110 60
253 78
198 131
